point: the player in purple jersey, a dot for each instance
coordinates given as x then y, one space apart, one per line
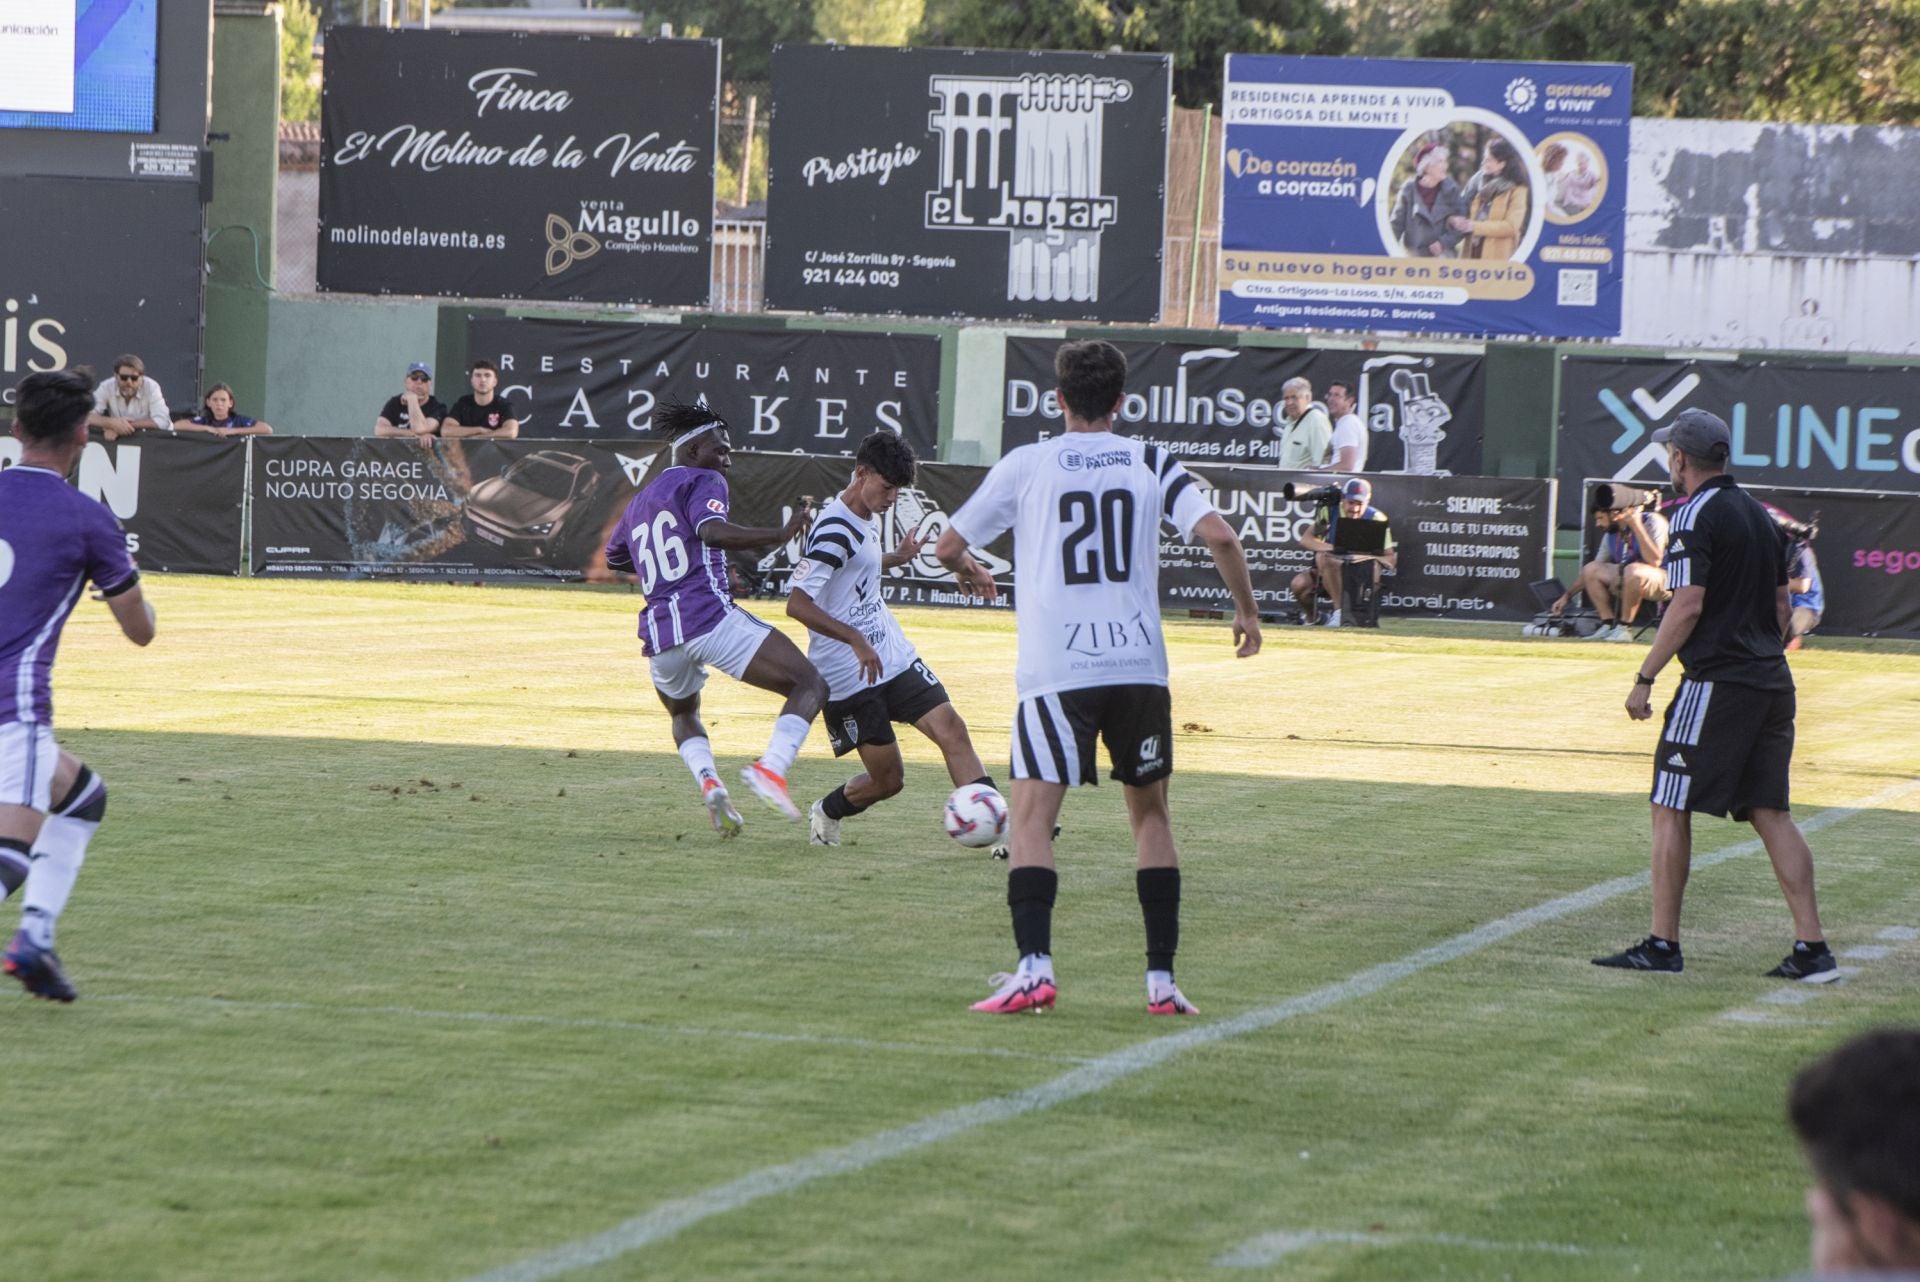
53 541
674 537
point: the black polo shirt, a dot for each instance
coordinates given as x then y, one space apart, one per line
1724 541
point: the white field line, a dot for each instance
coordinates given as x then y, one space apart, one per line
1270 1248
616 1025
669 1218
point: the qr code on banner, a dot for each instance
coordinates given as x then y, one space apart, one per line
1579 288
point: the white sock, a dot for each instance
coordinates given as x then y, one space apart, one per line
57 857
1159 982
789 732
697 752
1037 966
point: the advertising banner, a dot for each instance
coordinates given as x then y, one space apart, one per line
497 165
965 182
784 389
94 268
180 499
1867 552
1424 195
764 486
1467 545
1851 427
1422 412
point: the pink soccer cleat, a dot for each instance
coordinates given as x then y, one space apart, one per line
770 788
1016 993
1170 1001
719 804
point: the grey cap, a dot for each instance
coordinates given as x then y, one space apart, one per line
1696 432
419 367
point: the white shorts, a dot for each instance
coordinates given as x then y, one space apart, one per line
730 647
28 756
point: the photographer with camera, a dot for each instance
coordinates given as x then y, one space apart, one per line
1628 561
1806 596
1351 502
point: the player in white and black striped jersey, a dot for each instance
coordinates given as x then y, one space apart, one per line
874 675
1086 508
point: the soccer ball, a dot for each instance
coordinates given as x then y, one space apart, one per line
976 815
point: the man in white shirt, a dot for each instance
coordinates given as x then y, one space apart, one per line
1349 443
129 402
875 677
1085 508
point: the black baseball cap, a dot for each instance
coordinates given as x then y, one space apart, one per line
1696 432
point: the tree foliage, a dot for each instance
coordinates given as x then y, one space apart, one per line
1828 61
866 22
299 77
1198 33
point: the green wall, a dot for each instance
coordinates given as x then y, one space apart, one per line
332 363
240 219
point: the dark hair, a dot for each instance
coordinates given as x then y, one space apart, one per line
483 363
1343 385
1553 157
676 418
1092 375
888 455
49 406
1857 1113
129 360
208 395
1512 168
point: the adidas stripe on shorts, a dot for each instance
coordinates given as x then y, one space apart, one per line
1725 750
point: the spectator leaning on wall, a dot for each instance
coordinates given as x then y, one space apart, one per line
129 402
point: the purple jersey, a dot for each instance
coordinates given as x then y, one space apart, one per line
52 540
658 540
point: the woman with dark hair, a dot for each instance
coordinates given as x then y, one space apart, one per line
1426 203
1498 204
217 417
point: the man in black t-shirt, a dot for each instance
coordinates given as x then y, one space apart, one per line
1728 741
415 412
482 413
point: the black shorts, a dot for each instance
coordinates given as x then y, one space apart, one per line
1053 734
1726 749
868 717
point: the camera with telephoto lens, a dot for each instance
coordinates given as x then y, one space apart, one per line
1321 494
1611 496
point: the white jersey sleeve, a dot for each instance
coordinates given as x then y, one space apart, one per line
994 507
841 572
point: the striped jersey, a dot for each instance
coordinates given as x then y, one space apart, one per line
1723 541
658 541
53 541
841 572
1085 509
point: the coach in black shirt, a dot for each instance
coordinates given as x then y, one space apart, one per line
1728 741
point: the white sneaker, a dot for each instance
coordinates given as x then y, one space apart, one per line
1333 619
822 831
1622 633
726 820
1605 633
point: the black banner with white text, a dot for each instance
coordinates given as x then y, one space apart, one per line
1422 412
967 182
780 389
180 499
508 165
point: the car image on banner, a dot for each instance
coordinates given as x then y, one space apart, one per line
967 182
1425 195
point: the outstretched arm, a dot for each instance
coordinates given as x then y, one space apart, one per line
1230 559
738 538
973 577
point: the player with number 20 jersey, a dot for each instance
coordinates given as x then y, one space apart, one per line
1085 509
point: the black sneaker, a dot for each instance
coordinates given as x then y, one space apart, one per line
1807 967
1644 956
38 969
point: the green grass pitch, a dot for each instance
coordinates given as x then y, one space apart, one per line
406 952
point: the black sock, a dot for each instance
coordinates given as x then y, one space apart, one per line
1664 945
836 806
1030 894
987 780
1160 904
15 858
1812 947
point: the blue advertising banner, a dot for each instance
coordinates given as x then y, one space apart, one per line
1425 196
